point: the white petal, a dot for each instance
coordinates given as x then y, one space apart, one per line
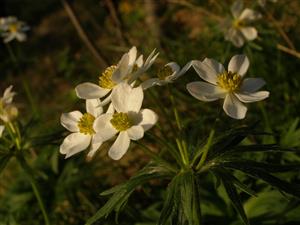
252 97
234 108
135 132
139 62
95 145
184 69
9 37
89 90
104 128
250 33
106 100
249 15
70 120
93 107
132 56
204 91
252 84
174 66
149 118
239 64
237 8
120 147
235 36
150 83
125 98
21 36
122 69
74 143
8 95
1 130
206 71
110 109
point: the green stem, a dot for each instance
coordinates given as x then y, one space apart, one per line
177 118
27 170
182 152
24 81
205 149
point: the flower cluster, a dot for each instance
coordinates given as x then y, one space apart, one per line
123 116
11 28
118 90
238 29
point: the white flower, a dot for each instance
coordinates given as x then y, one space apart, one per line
168 74
1 130
11 28
81 125
237 30
129 120
229 85
8 111
129 68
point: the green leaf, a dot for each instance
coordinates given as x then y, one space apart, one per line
262 173
122 192
234 196
226 174
228 140
171 203
190 198
4 159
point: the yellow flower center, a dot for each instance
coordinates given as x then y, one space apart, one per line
85 124
164 72
229 81
238 23
121 121
105 80
13 28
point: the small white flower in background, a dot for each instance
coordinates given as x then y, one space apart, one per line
129 120
263 3
2 127
128 69
230 85
168 74
83 134
238 30
8 111
11 28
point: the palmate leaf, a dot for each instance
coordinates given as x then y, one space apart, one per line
228 140
121 193
262 171
182 204
232 194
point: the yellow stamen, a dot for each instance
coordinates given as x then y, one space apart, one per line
85 124
121 121
105 80
229 81
13 28
238 23
164 72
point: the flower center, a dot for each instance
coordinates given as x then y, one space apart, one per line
85 124
229 81
237 23
13 28
121 121
164 72
105 80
